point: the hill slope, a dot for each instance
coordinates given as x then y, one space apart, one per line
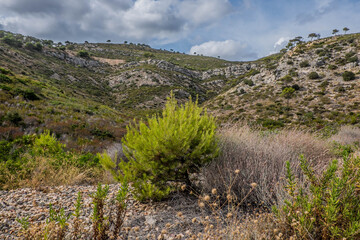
320 95
87 93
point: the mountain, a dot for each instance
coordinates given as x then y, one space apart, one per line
87 93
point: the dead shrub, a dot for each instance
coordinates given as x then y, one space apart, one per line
260 158
347 135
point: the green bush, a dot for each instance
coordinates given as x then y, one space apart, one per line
34 47
304 64
332 67
4 78
149 55
37 156
28 94
313 75
348 76
271 123
14 118
167 148
286 79
83 54
5 71
10 40
249 82
329 208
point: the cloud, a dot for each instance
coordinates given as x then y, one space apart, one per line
203 11
280 44
321 8
96 20
228 49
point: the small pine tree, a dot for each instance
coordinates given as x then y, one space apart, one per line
166 148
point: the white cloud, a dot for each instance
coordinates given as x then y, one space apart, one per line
203 11
281 43
96 20
228 49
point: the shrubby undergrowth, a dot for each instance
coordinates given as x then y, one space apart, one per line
328 207
32 160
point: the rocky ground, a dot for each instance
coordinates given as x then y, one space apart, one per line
176 218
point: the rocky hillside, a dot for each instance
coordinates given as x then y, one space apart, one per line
87 93
315 84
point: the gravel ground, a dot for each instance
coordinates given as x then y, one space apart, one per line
143 221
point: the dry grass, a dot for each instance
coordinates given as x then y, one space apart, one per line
347 135
41 171
261 158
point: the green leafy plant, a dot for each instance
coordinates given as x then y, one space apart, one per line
99 225
348 76
47 143
121 205
329 208
313 75
304 64
10 40
167 148
25 224
249 82
287 93
83 54
76 214
57 217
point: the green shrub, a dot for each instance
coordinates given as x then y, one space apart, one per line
313 75
296 87
149 55
4 78
14 118
348 76
249 82
83 54
34 47
42 159
286 79
28 94
329 208
10 40
169 147
5 71
332 67
271 123
351 57
304 64
70 47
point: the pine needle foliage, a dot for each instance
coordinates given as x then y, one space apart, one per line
329 208
164 148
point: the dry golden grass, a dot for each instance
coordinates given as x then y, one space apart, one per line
260 158
347 135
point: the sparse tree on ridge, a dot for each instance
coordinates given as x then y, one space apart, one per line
335 31
345 29
318 36
312 35
108 41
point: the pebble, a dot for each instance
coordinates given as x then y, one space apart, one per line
149 218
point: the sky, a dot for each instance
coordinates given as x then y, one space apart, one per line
236 30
